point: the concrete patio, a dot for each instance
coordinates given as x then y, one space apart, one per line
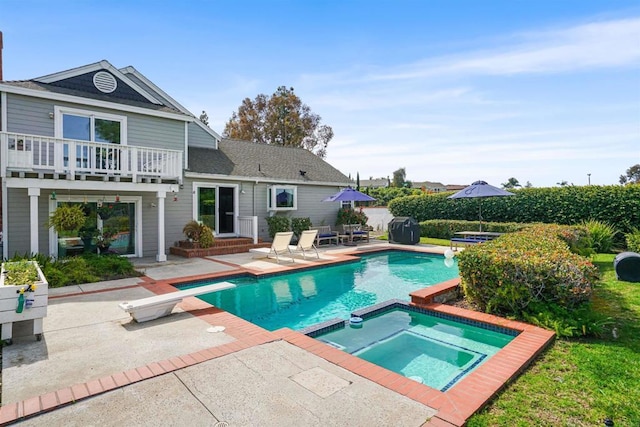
88 340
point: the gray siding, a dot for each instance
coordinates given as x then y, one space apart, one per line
18 236
310 205
31 116
199 138
156 132
177 214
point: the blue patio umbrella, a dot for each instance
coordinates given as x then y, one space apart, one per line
349 195
480 189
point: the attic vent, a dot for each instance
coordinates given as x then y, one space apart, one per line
104 82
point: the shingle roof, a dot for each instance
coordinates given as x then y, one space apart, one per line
252 160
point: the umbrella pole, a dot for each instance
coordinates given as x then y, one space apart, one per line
480 212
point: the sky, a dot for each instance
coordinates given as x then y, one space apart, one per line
543 91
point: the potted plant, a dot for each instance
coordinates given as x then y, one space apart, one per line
67 217
104 239
23 296
87 234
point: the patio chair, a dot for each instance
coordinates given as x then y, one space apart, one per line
356 231
279 246
325 234
305 244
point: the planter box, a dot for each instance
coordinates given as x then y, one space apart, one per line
34 310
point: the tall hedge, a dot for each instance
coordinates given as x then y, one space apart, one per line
616 205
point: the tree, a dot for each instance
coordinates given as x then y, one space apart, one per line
358 181
511 183
632 176
204 118
279 119
528 185
399 177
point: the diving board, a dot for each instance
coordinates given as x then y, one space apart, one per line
145 309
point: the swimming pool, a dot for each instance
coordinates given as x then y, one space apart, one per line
433 350
307 297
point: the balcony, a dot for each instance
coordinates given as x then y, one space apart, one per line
45 155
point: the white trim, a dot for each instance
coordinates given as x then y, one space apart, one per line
136 200
102 65
210 131
3 112
261 179
104 186
5 220
131 70
272 198
236 203
186 146
93 102
59 111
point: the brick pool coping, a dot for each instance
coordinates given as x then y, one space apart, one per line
454 406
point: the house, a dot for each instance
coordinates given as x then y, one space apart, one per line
374 183
141 166
428 186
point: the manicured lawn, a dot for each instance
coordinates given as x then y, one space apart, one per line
580 382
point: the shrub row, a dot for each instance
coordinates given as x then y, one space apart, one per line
85 268
507 275
618 206
445 228
279 223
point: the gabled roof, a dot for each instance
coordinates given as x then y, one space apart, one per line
264 162
133 91
91 69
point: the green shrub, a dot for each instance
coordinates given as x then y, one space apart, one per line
85 268
633 240
351 216
445 228
617 205
575 236
506 275
600 235
278 224
77 270
206 237
298 225
581 321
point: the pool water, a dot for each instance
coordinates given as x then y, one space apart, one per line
435 351
307 297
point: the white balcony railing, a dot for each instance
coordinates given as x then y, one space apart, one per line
41 153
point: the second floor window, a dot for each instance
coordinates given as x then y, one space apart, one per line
90 126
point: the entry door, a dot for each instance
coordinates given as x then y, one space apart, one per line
226 217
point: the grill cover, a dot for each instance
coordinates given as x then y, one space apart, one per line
627 266
404 230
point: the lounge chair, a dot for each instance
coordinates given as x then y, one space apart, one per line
325 234
279 246
305 244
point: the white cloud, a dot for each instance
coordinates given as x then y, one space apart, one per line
588 46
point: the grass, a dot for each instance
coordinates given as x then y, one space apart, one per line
580 382
424 240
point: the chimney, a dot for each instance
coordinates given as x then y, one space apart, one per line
1 56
